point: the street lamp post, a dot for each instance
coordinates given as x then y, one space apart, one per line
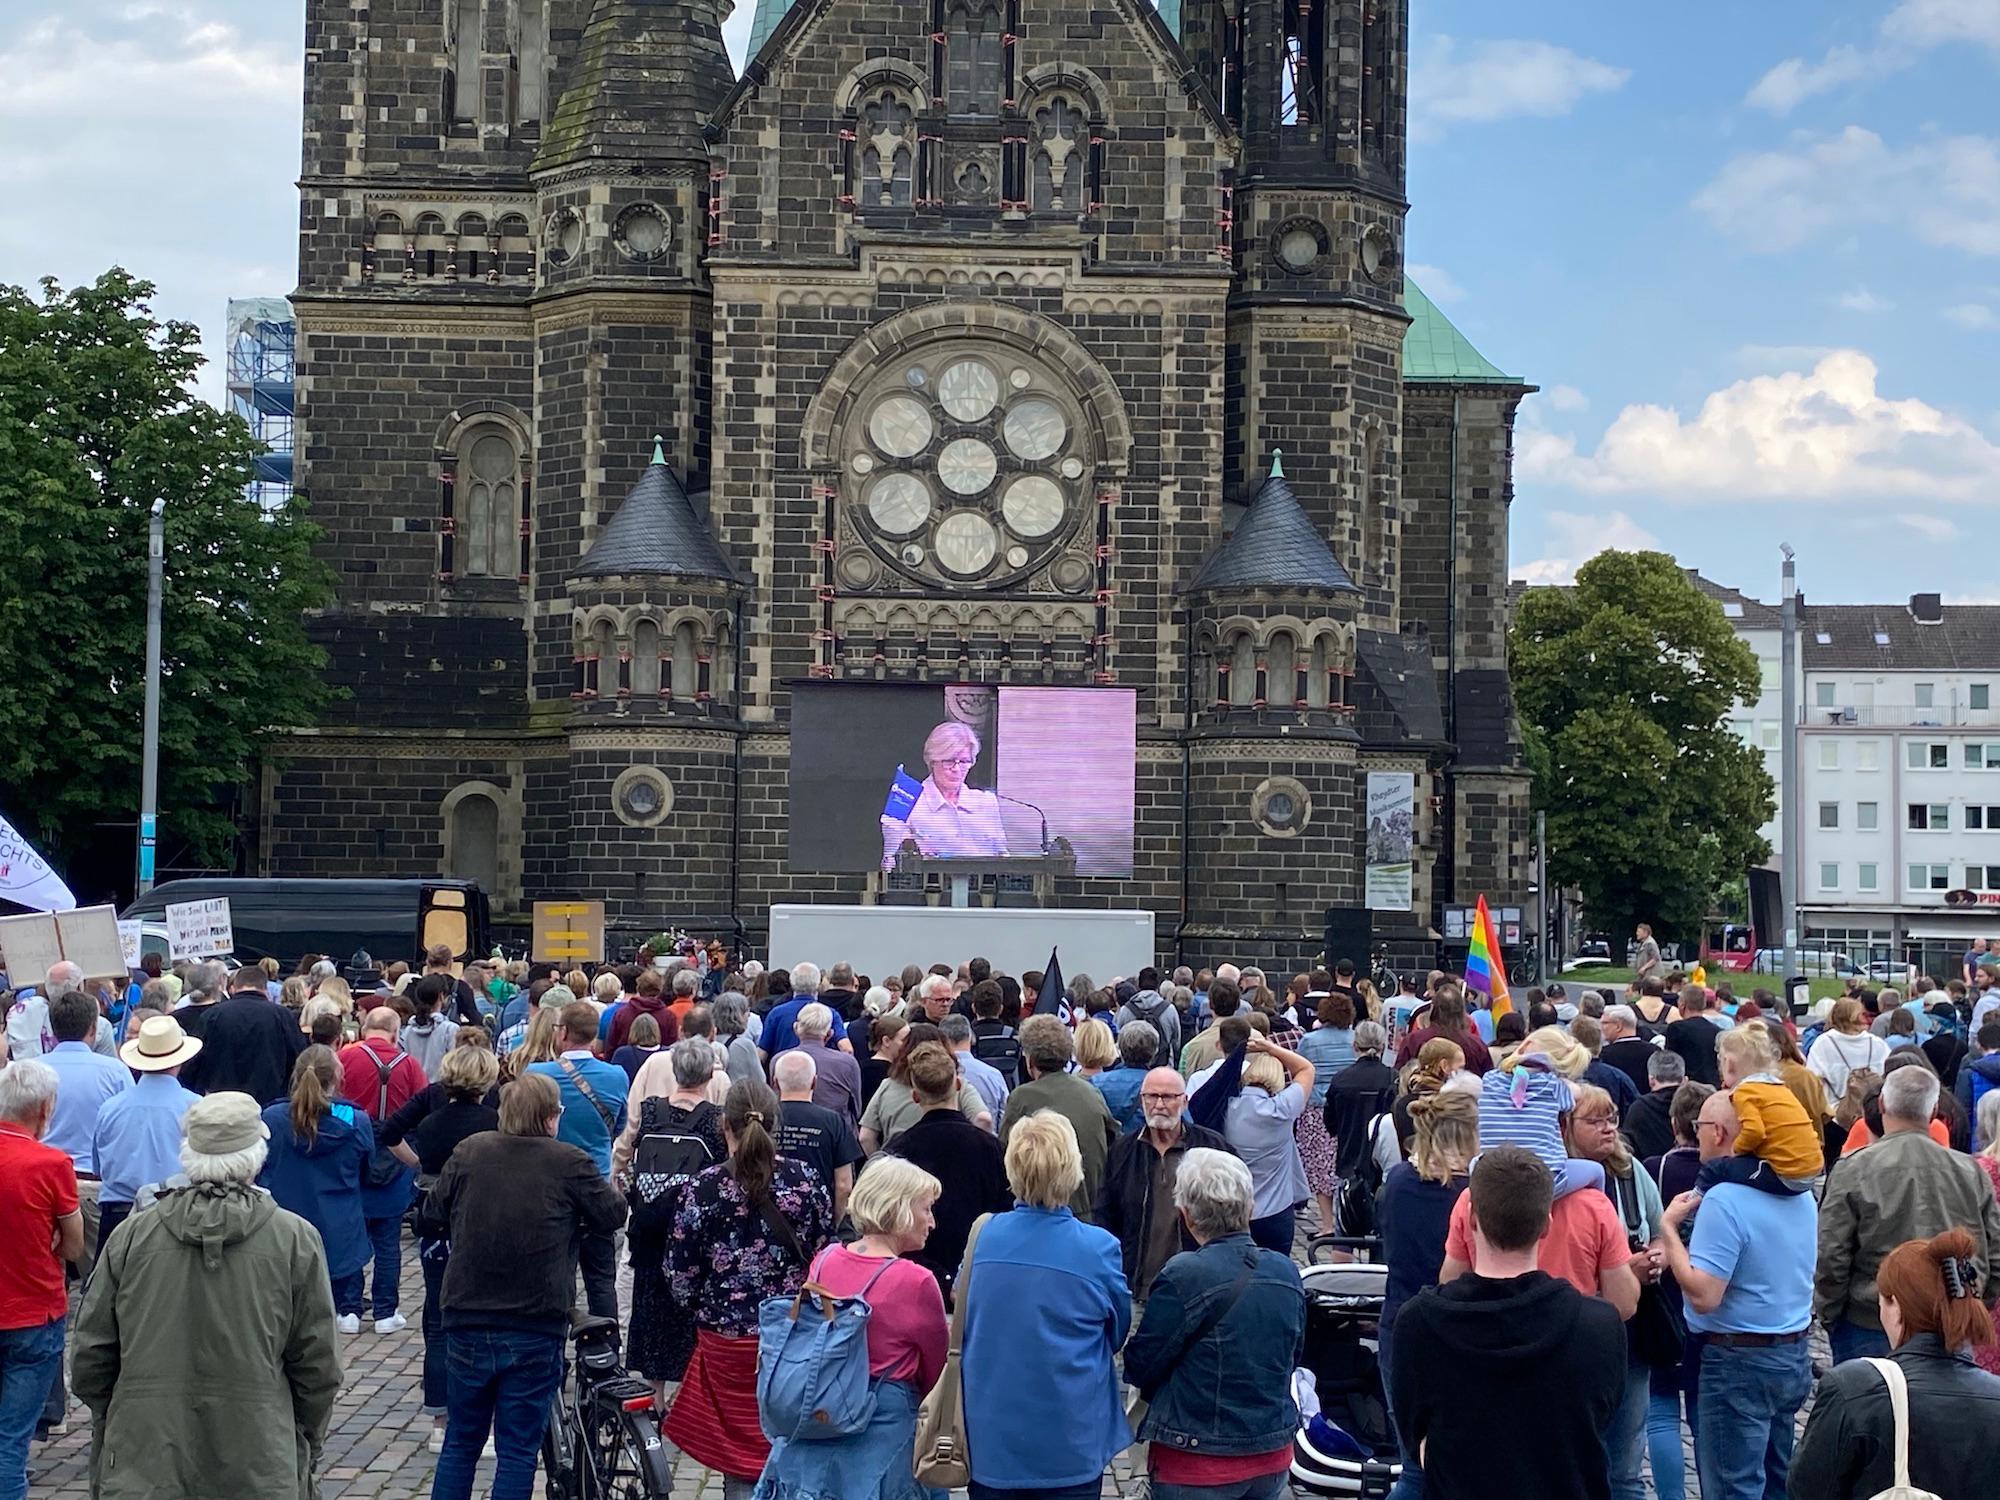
1788 770
149 763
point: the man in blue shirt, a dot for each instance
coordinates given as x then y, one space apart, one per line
593 1099
1750 1311
137 1142
780 1034
86 1079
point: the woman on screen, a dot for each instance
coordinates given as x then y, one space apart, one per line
949 820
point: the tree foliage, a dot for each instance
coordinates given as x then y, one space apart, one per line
1624 684
97 419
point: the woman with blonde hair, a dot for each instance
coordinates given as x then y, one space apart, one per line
1436 1063
293 994
1095 1049
907 1339
542 1042
1845 1048
1047 1308
1260 1124
318 1158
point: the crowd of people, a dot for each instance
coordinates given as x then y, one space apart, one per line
1071 1213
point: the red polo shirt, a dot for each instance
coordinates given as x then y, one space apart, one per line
361 1076
37 1187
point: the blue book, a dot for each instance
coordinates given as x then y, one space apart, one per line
903 794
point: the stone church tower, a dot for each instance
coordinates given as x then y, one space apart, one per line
1021 341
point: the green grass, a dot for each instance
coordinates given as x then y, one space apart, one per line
1740 984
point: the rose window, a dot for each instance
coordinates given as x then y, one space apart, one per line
967 464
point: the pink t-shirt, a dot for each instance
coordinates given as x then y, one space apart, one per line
1585 1238
907 1332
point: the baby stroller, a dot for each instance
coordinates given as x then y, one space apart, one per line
1348 1447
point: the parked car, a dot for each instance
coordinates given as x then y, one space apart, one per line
1819 962
1884 971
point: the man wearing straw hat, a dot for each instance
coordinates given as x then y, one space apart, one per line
215 1292
137 1142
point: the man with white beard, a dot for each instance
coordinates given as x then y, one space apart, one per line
1135 1199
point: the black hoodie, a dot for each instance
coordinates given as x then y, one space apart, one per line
1499 1339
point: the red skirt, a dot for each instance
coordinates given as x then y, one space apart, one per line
714 1415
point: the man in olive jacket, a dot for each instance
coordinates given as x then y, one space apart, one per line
205 1346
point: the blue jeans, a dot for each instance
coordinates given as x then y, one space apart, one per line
1276 1231
1270 1487
1749 1400
29 1359
1410 1485
386 1235
1663 1445
1625 1438
501 1382
1852 1341
978 1491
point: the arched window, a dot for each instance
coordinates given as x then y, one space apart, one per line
531 61
1243 673
972 57
391 254
472 248
464 80
1056 168
686 676
646 659
490 471
1322 664
428 252
886 140
1281 673
604 652
1371 556
517 246
474 849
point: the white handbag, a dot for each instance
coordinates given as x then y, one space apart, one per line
1899 1404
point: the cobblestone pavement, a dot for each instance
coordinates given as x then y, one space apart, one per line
377 1449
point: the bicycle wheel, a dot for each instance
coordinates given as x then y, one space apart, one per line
559 1452
628 1461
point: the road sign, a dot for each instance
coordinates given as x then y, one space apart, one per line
568 932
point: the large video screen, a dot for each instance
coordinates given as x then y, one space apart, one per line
968 771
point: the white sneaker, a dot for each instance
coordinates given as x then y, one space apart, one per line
348 1323
394 1323
437 1437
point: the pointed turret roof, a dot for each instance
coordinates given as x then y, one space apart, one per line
648 75
655 530
1435 350
1274 546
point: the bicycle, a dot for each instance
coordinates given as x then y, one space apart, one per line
603 1438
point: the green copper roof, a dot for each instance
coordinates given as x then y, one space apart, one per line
771 12
1435 350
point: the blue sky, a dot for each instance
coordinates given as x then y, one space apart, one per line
1750 251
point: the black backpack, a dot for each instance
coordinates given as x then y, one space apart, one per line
665 1151
1000 1051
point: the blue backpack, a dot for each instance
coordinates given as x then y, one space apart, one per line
812 1363
1981 1087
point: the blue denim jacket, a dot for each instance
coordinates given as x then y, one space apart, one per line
1230 1393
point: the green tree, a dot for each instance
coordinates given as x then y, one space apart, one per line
97 419
1624 683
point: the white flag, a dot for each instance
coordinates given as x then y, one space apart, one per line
25 877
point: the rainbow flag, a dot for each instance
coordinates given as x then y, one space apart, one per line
1485 969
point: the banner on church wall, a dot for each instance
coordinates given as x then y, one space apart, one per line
1391 839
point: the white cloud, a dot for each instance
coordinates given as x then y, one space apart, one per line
1825 434
1567 398
1574 539
1933 528
1912 28
1774 358
1480 82
1944 190
1974 315
1438 283
1861 300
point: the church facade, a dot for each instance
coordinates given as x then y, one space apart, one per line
1019 341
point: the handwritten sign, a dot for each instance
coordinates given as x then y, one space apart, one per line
200 929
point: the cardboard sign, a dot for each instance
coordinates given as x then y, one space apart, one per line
568 932
200 929
88 938
132 942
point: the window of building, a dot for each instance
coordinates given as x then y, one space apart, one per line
1825 638
1829 754
1881 637
1056 170
1979 695
488 505
1868 755
1829 815
1829 877
1931 817
886 140
531 61
1982 877
1930 877
1926 694
1867 816
646 659
475 841
1983 816
1867 877
465 61
1928 755
972 57
1767 733
1823 694
1982 757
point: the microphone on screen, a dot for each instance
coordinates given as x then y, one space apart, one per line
1021 802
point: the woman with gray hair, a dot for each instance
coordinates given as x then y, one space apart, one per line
947 818
1227 1316
215 1288
675 1130
731 1011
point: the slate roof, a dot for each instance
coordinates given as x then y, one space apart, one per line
1434 349
1274 546
1396 687
1967 639
655 530
647 77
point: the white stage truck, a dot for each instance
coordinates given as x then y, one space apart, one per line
880 940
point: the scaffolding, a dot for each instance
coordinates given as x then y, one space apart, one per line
262 366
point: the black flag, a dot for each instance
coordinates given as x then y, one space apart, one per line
1050 999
